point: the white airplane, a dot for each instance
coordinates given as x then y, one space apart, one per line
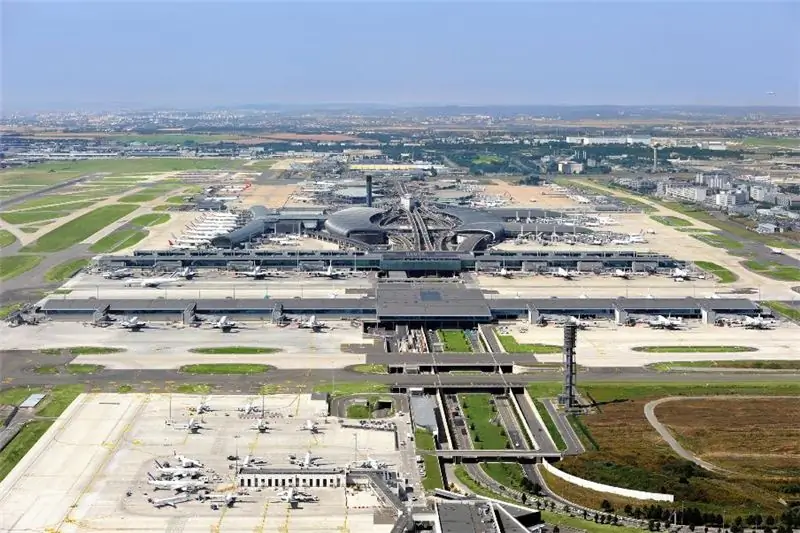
176 472
186 462
133 324
260 273
636 238
249 460
292 496
307 461
181 485
170 501
154 282
776 251
187 273
680 274
329 273
119 273
225 498
503 273
757 322
618 273
312 323
261 426
566 274
372 464
203 407
309 426
249 408
662 322
192 426
223 324
582 324
173 245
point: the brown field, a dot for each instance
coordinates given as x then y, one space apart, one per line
632 455
589 498
268 195
745 431
543 197
310 137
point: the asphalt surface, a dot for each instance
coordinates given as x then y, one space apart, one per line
572 441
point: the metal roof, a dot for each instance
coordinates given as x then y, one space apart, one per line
466 517
32 400
396 300
354 219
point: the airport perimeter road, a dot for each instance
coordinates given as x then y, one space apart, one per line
538 429
574 446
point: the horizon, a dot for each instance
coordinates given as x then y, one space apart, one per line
66 56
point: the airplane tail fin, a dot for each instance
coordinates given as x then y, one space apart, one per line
158 465
150 477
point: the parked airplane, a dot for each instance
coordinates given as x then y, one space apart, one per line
260 273
329 273
176 472
662 322
307 461
757 322
154 282
203 407
503 273
187 273
133 324
186 462
566 274
223 324
620 274
170 501
192 426
261 426
225 498
293 496
309 426
119 273
582 324
372 464
312 323
181 485
249 408
680 274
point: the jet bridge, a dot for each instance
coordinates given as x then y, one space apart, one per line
101 314
189 316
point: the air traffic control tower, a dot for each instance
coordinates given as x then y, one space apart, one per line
567 398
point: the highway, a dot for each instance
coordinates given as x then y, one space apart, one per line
574 446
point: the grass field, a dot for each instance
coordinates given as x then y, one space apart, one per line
433 473
511 345
80 228
722 274
454 340
6 238
773 270
695 349
595 189
788 311
371 369
19 445
65 270
770 142
162 207
487 160
82 350
118 240
176 200
224 368
589 498
8 309
12 266
724 432
631 454
555 434
40 215
718 241
236 350
359 412
346 389
152 219
675 222
480 412
762 365
49 173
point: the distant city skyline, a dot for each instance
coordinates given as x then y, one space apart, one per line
83 55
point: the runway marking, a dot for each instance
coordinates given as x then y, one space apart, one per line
68 517
260 528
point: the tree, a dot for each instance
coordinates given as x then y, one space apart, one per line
628 510
585 514
770 520
524 498
556 529
606 506
691 527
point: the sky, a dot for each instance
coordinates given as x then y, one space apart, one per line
71 55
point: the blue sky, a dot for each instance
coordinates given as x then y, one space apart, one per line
190 54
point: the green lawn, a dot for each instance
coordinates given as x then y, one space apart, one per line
6 238
118 240
359 411
433 473
562 520
124 389
57 202
675 222
162 207
507 474
423 440
8 309
718 241
224 368
58 399
769 142
763 365
694 349
176 200
39 215
236 350
82 350
346 389
773 270
20 444
79 229
49 173
371 369
790 312
511 345
65 270
194 388
722 274
610 391
592 188
13 265
479 411
140 197
152 219
454 340
550 425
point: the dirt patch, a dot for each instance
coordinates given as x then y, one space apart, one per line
305 137
738 431
268 195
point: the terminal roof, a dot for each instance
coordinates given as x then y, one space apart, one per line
442 300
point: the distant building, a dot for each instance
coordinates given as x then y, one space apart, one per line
689 193
731 198
570 167
766 228
762 194
586 141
